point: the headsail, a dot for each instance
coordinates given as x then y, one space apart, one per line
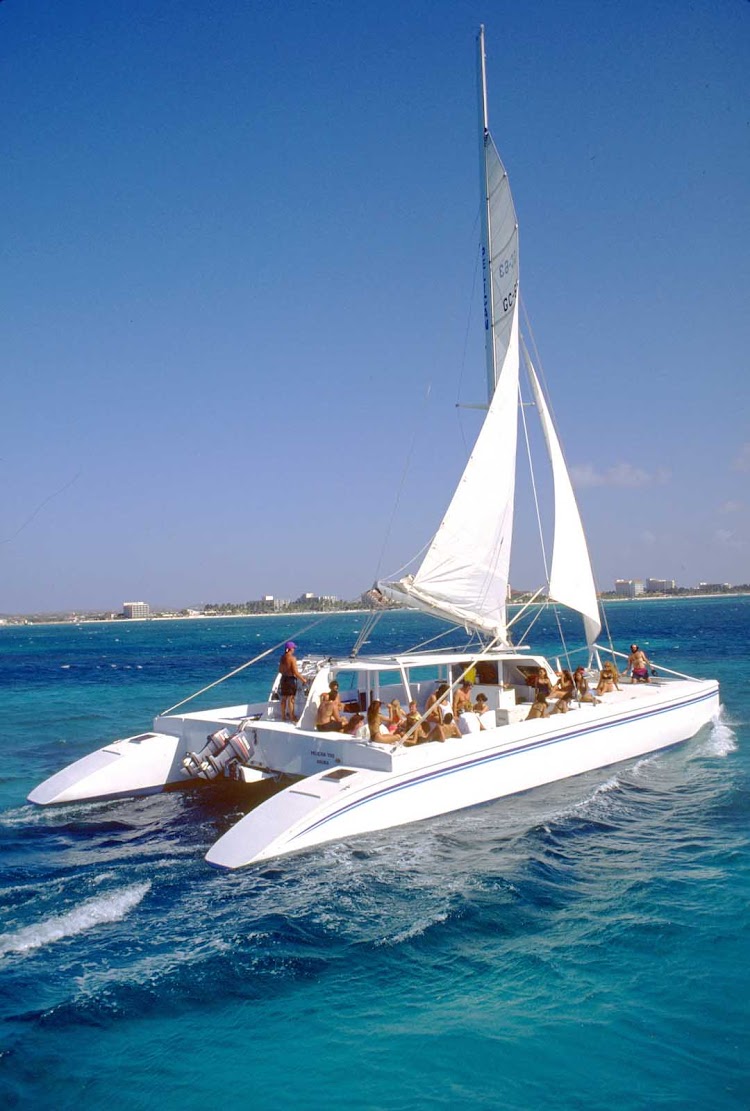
571 579
464 575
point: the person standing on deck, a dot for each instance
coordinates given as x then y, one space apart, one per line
638 665
290 676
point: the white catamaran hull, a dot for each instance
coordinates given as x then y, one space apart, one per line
142 765
346 801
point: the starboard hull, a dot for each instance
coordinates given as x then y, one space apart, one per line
345 802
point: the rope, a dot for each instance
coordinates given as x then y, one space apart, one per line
242 667
407 465
369 624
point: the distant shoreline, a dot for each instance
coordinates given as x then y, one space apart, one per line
675 597
179 617
15 624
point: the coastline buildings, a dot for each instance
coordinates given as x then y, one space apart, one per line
660 586
629 588
135 610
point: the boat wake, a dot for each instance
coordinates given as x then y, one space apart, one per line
721 739
106 908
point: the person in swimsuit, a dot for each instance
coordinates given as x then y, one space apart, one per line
638 664
462 698
608 677
329 719
396 717
450 729
412 719
290 677
541 684
582 687
435 707
374 721
563 691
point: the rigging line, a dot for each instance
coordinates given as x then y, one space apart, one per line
430 640
411 559
242 667
39 508
537 355
368 626
525 606
417 428
469 316
541 375
563 642
605 621
535 618
533 479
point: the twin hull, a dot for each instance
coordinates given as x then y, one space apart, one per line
350 787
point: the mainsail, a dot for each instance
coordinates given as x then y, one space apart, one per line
464 575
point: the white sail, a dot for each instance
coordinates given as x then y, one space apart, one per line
499 262
571 578
464 575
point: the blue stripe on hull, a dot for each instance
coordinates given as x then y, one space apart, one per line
489 758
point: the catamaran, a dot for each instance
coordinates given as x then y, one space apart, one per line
330 784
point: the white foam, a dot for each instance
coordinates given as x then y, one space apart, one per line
721 740
107 908
643 764
416 929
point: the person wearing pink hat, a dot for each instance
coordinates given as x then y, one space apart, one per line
290 676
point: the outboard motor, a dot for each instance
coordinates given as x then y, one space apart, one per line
222 749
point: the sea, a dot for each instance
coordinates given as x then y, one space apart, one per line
582 946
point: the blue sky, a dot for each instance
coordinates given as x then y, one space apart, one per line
239 295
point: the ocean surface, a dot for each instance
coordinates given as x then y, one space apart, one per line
581 946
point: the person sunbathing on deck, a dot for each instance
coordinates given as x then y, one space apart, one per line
563 691
435 707
413 730
449 727
608 677
542 691
582 686
377 723
396 717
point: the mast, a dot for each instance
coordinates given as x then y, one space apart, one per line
464 573
484 138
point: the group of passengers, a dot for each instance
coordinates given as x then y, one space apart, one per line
575 685
437 723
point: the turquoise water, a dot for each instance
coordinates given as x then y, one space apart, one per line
581 946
